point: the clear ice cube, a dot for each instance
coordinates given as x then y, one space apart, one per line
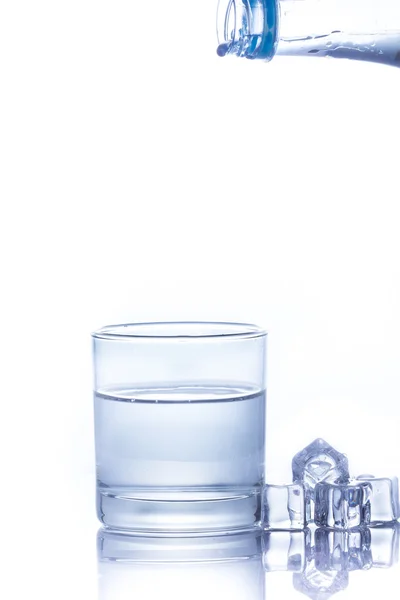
284 507
320 462
342 506
337 550
384 498
284 550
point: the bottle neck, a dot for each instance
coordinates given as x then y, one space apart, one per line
358 29
247 28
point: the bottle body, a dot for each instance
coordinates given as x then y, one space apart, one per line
354 29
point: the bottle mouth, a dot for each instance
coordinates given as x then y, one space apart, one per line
247 28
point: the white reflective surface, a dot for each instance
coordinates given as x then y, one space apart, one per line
145 179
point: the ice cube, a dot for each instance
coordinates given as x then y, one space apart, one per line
384 498
337 550
320 462
284 550
385 545
284 507
342 506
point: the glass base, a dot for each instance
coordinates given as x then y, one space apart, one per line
179 512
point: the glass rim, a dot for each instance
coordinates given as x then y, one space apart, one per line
177 330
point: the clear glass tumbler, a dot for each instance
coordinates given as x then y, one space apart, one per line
180 426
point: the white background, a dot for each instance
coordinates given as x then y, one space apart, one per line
144 178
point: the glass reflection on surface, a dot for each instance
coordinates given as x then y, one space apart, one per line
203 567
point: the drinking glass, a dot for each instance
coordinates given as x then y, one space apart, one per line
180 426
